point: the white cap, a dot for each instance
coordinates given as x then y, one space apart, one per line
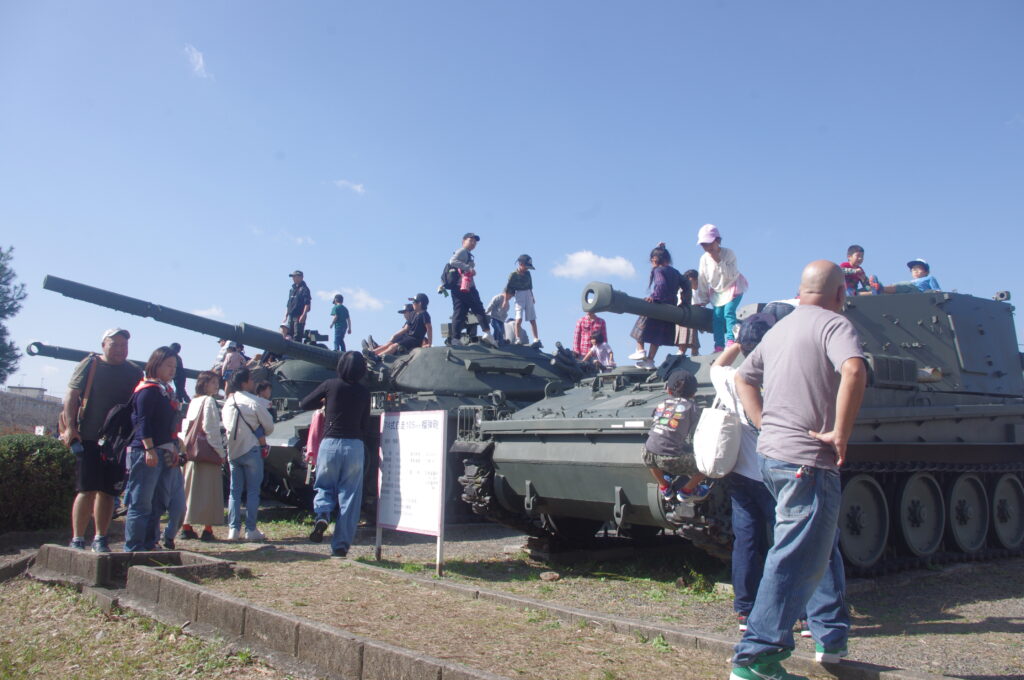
111 332
707 234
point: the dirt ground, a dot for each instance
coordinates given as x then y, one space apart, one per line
961 620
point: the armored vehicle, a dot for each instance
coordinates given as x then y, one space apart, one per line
496 381
934 469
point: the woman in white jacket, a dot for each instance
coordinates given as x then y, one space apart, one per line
720 283
204 485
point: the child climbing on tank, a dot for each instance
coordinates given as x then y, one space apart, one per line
600 352
668 451
720 283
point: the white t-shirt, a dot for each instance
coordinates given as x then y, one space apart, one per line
723 378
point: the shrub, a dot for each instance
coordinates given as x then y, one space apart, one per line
37 483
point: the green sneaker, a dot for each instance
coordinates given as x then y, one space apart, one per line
823 654
765 667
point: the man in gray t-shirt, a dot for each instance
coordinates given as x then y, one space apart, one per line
811 368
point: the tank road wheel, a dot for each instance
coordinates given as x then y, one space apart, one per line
1008 512
922 516
967 509
863 522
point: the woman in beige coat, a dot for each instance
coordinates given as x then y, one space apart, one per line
204 482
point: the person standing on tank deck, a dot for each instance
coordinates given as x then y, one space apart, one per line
813 374
339 458
465 297
97 384
720 283
520 288
297 308
340 322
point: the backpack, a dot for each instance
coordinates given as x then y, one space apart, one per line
117 431
450 276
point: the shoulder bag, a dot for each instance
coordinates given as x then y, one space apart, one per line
716 441
197 446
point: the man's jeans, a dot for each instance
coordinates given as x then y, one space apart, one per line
246 473
146 496
724 320
753 516
804 568
339 484
339 338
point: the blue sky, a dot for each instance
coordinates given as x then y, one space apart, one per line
195 153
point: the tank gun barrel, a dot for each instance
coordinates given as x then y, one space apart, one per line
39 349
601 297
246 334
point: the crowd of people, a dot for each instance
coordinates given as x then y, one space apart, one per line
796 393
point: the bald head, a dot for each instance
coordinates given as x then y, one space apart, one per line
822 284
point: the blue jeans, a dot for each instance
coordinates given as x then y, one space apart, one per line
246 473
804 569
753 516
174 491
339 484
498 331
339 338
724 320
145 495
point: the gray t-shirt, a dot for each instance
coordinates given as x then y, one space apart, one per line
112 385
798 365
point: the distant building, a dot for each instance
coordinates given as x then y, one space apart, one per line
23 409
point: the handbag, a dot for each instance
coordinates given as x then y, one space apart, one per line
197 446
716 441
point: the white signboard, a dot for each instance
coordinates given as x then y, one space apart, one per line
40 429
411 476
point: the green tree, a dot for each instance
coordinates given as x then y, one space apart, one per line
11 295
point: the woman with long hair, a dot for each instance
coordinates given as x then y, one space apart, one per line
664 286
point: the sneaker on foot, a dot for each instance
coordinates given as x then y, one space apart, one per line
255 535
646 363
371 342
207 536
189 533
78 543
99 545
339 552
699 493
719 348
536 344
319 527
167 543
637 355
486 339
741 621
801 627
233 534
823 654
765 667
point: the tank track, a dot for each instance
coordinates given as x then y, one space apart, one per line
892 560
477 483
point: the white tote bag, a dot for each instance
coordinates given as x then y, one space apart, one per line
716 441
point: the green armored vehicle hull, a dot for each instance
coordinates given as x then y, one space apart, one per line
934 469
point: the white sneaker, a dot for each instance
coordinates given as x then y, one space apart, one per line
646 363
255 536
639 354
233 534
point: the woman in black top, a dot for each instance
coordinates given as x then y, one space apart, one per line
152 451
339 464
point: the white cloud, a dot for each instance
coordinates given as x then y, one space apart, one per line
214 312
304 240
356 298
197 62
585 264
350 185
50 369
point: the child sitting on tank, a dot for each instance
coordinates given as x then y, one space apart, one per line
600 352
922 282
668 451
857 282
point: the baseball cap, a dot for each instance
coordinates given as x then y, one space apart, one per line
421 298
919 263
753 329
297 272
231 343
111 332
525 259
471 235
707 234
681 384
407 308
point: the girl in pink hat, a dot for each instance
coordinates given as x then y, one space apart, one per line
720 283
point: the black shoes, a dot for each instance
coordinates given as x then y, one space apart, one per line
207 536
168 543
339 553
189 533
317 535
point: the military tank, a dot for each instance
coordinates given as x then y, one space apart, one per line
934 467
493 381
